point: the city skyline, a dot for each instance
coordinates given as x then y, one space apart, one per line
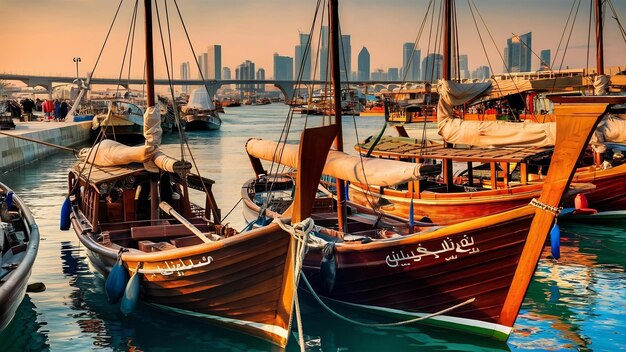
50 50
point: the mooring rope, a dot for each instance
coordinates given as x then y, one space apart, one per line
300 232
75 151
399 323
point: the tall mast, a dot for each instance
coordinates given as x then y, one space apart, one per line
599 38
333 24
149 54
447 55
447 39
154 177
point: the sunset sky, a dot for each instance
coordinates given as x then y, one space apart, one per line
41 37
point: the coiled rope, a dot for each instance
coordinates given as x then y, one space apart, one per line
300 232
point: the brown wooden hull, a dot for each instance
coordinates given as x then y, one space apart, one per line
446 208
403 278
610 191
244 282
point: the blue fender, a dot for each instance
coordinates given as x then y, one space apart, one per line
9 201
131 294
116 282
66 209
555 241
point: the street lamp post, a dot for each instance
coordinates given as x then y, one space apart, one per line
77 60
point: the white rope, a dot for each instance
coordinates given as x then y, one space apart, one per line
300 232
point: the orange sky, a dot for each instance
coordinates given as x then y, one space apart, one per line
41 37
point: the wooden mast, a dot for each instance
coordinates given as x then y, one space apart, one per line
333 24
447 62
154 178
599 38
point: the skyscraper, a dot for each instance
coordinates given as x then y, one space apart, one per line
463 69
184 75
245 71
324 54
204 66
545 60
432 67
345 59
226 73
260 76
214 62
283 68
392 74
482 72
410 62
363 73
303 58
518 53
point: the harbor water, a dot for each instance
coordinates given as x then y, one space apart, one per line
575 303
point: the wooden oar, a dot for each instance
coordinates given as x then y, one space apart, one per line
170 211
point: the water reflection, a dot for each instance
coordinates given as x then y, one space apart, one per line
147 328
24 333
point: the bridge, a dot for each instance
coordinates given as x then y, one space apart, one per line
286 87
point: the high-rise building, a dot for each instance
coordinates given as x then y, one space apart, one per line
226 74
324 50
379 75
283 68
518 53
463 67
214 62
545 60
363 72
432 67
204 66
260 76
345 60
410 62
392 74
245 71
345 52
184 75
482 72
302 58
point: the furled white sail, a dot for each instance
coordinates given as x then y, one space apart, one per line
484 133
611 129
152 132
380 172
111 153
199 99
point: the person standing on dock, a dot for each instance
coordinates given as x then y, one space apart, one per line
63 110
57 110
48 109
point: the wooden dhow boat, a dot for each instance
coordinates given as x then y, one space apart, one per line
200 113
19 242
471 276
131 208
493 180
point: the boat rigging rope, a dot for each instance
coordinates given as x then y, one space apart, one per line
380 325
75 151
300 232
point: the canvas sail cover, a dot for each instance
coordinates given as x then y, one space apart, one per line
199 99
111 153
611 129
380 172
485 133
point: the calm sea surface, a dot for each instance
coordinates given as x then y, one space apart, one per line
576 303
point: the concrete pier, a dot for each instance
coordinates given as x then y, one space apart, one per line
17 152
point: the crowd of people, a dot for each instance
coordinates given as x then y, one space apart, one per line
53 110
